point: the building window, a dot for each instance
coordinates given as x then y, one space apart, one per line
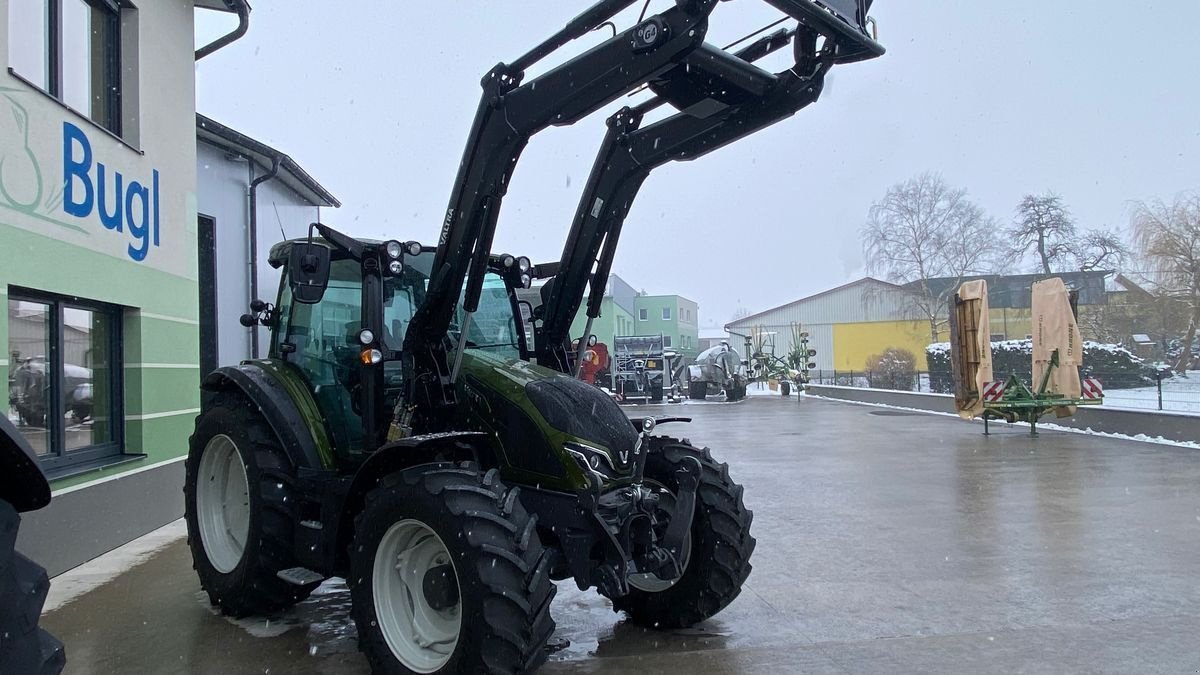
666 340
72 50
643 314
666 313
64 378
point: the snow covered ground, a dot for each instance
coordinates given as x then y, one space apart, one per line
1179 394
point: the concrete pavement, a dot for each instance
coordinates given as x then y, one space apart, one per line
887 542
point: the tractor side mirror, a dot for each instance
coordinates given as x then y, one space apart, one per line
308 272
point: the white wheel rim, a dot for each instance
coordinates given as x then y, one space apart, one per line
223 503
421 637
650 583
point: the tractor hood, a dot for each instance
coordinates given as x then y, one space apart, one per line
569 415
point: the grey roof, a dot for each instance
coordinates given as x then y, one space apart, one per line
1012 291
292 174
856 282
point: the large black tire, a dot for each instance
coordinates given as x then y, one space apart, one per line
719 561
251 587
736 391
24 647
502 570
697 390
656 393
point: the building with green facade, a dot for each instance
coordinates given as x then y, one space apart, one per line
98 260
625 311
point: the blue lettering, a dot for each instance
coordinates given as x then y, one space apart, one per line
135 206
156 207
140 231
111 221
73 169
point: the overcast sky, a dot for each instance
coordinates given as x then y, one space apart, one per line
1097 101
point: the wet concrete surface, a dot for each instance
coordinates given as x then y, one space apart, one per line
887 542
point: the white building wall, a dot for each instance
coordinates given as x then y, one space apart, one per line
224 194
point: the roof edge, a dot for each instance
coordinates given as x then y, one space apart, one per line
207 127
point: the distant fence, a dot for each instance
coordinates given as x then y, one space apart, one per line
1180 393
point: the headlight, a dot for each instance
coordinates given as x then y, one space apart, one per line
395 267
366 337
508 261
523 264
414 248
597 460
526 281
394 250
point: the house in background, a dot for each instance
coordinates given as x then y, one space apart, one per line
846 325
251 196
850 324
1010 298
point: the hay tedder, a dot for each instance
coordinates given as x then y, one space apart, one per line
1057 356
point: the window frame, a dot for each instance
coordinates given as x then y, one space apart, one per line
113 118
643 314
667 342
666 313
59 461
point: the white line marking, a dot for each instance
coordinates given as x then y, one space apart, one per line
96 572
124 474
176 319
176 366
159 415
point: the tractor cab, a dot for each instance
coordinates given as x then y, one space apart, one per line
319 325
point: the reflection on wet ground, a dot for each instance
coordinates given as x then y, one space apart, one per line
885 544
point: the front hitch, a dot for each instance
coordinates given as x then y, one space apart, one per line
688 477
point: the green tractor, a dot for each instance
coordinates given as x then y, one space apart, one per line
406 432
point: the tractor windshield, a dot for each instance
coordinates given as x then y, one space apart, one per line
324 336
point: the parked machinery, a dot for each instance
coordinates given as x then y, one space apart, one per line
717 370
641 368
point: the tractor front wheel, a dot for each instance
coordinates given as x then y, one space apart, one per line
697 390
448 575
721 545
238 502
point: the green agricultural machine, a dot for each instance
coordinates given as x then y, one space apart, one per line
408 434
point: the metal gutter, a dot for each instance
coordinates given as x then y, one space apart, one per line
243 12
254 242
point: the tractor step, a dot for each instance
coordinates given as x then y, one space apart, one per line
299 576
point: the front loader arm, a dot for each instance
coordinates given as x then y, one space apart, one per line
723 98
509 114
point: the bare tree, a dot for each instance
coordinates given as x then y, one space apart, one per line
1167 237
1044 224
924 229
739 314
1099 249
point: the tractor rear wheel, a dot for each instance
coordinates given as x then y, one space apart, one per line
239 499
448 575
697 390
24 647
721 545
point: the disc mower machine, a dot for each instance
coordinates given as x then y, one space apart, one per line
1055 385
406 431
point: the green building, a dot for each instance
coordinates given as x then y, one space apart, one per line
627 312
